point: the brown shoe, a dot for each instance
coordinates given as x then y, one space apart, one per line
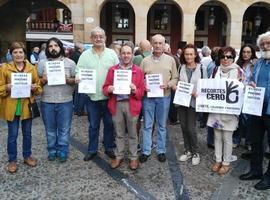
134 164
216 166
224 169
30 161
116 163
12 167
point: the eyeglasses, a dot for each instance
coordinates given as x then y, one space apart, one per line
225 56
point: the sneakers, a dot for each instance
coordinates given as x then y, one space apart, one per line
161 157
195 159
52 156
186 156
62 157
233 158
143 158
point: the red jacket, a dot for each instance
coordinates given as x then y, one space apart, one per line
135 99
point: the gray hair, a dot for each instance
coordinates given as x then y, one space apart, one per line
158 36
78 46
97 29
206 51
263 36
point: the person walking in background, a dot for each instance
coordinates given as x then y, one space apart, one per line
246 60
157 107
211 72
191 71
78 98
56 101
42 54
173 111
34 56
100 59
125 109
8 56
145 50
15 110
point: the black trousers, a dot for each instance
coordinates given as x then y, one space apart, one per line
259 126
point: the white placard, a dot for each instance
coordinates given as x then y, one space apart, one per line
56 72
87 81
253 100
21 85
219 96
183 93
122 81
153 83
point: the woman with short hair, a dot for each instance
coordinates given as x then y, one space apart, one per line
224 124
16 110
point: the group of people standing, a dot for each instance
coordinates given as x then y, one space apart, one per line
122 113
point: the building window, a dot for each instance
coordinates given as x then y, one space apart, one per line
123 22
122 18
66 16
160 19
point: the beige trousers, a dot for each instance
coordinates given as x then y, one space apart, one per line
123 121
223 146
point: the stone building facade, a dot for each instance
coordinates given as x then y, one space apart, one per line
203 22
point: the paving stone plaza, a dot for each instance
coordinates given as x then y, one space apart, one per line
76 179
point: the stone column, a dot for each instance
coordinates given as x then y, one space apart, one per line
141 12
234 27
91 17
188 27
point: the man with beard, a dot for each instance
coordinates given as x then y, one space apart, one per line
260 124
56 101
99 59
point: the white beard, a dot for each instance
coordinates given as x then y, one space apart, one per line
265 54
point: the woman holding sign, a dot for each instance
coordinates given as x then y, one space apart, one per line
246 60
19 83
190 71
224 124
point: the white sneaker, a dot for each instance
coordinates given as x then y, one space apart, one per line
233 158
186 156
195 159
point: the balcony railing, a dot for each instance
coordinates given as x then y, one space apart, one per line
48 26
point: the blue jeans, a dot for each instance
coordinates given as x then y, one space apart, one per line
157 108
95 111
57 120
13 129
78 101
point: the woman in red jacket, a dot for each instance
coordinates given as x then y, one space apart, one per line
125 108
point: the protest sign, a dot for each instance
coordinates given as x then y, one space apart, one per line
122 81
253 100
87 81
153 83
20 85
183 94
55 72
219 96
